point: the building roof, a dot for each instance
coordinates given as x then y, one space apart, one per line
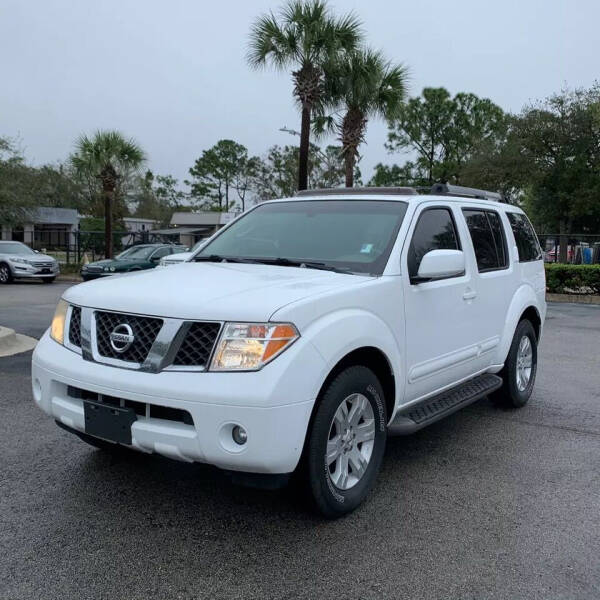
140 220
201 218
55 216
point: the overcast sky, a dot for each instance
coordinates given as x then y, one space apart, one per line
172 73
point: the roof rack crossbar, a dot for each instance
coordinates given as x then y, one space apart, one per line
357 191
446 189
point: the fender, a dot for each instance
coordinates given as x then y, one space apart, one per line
338 333
524 297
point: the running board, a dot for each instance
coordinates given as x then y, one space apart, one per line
437 407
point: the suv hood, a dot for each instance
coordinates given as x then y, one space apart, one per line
211 291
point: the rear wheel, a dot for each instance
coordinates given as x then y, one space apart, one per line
346 442
5 274
520 368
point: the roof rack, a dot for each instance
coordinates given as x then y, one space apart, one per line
387 191
445 189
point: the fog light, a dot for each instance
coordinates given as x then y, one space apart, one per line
239 435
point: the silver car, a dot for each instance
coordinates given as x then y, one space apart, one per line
18 261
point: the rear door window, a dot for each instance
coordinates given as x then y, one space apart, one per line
487 235
435 230
525 237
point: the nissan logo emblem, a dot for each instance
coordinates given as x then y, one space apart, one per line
121 338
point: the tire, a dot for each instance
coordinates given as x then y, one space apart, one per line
333 494
518 382
5 274
49 280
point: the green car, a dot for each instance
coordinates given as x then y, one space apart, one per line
136 258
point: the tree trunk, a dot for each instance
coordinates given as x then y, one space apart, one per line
304 148
563 241
108 237
349 163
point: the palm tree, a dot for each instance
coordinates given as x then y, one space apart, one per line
109 158
305 37
361 85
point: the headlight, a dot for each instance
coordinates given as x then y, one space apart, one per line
250 346
105 268
19 260
112 268
57 329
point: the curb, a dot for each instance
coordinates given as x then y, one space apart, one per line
573 298
14 343
69 278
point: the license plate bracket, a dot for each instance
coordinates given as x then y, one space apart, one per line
111 423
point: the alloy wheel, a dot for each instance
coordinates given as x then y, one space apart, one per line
524 363
350 442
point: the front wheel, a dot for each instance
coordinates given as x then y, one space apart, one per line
346 442
520 368
5 274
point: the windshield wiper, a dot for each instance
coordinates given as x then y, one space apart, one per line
308 264
226 259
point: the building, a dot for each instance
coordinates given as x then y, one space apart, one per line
188 227
46 228
140 228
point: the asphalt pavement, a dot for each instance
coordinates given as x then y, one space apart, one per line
488 503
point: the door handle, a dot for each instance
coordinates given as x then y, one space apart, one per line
469 295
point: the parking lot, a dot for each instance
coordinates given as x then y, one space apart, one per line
489 503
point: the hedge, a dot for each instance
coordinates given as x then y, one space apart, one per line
572 279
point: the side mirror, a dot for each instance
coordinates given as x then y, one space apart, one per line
440 264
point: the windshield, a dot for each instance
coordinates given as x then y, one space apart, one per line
352 235
15 248
137 252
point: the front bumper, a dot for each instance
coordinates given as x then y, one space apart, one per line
274 414
30 272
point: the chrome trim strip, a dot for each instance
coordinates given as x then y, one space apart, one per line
165 345
86 333
66 340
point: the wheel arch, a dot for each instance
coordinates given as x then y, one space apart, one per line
374 359
524 305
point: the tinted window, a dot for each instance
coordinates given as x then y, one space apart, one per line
161 252
488 239
527 242
434 231
350 234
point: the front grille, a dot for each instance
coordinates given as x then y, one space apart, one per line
94 269
75 326
42 265
197 345
145 330
140 408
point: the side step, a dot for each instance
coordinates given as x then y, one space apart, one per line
437 407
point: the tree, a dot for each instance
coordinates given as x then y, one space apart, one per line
108 158
16 199
364 86
275 174
305 37
559 142
445 132
220 170
394 175
157 197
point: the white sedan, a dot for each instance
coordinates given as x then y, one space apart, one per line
177 259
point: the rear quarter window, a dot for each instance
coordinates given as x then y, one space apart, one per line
525 237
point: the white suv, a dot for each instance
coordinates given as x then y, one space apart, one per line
303 334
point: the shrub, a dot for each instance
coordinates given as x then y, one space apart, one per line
572 279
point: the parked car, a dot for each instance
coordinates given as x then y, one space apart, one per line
18 261
136 258
181 257
303 334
